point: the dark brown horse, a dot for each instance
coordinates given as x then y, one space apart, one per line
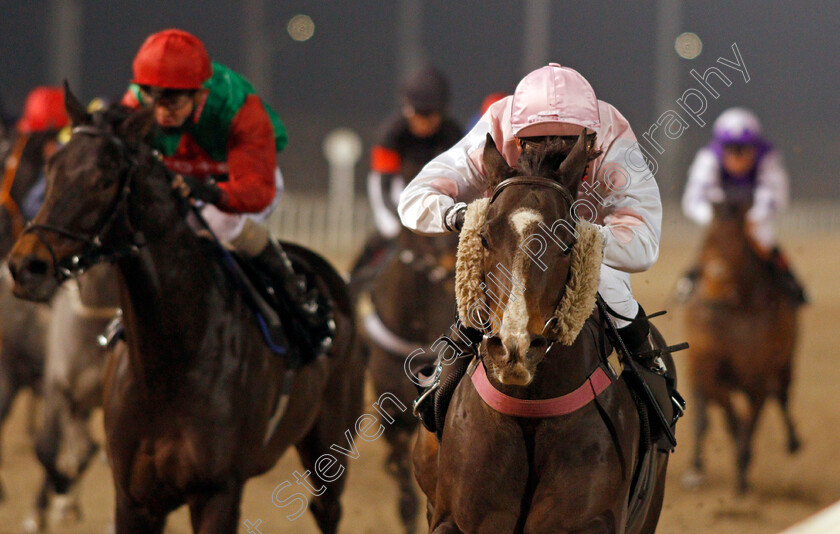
189 404
742 330
495 473
409 303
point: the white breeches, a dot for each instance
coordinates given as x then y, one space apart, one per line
614 288
228 226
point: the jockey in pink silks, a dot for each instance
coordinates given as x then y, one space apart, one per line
556 101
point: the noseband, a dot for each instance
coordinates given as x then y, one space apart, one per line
95 250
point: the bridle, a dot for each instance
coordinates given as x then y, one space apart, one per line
567 196
533 180
95 250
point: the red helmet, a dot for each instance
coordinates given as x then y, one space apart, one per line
172 59
43 111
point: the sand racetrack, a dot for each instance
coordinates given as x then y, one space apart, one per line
785 488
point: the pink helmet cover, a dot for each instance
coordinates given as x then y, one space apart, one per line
553 100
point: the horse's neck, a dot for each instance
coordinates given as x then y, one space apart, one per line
98 288
410 304
166 294
732 246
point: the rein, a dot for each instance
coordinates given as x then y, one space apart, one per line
9 175
95 249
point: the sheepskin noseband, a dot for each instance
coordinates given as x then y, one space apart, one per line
581 288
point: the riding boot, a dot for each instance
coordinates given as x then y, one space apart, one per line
685 285
652 371
782 272
442 378
317 320
636 337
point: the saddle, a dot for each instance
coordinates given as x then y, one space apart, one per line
265 297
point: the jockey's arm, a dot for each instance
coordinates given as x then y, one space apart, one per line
631 233
771 194
703 188
449 178
383 184
252 159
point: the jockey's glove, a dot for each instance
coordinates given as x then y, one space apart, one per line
453 220
207 192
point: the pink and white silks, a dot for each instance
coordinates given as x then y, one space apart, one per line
555 100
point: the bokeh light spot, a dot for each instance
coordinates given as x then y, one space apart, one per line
688 45
301 27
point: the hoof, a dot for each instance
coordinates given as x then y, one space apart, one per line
794 445
692 479
32 524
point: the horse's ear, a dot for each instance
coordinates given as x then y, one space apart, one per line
75 109
136 127
495 164
571 170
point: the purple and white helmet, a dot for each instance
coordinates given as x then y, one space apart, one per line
738 126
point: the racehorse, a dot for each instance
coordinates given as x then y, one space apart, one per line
198 403
72 388
742 330
405 308
544 436
23 324
52 350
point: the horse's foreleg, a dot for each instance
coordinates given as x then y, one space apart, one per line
216 513
133 519
694 476
8 390
744 442
701 424
793 440
326 507
399 466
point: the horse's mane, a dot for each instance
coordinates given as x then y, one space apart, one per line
544 159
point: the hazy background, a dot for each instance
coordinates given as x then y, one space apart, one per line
348 72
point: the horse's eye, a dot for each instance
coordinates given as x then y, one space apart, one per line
568 250
484 241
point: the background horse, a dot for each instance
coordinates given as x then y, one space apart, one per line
23 324
568 473
190 406
72 387
55 353
741 329
405 308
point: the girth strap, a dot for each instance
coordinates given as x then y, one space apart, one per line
594 385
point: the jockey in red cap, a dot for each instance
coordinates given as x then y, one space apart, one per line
43 111
222 141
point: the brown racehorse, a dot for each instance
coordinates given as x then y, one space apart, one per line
188 406
742 331
406 307
496 473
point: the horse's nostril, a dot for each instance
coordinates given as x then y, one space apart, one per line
36 267
539 342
